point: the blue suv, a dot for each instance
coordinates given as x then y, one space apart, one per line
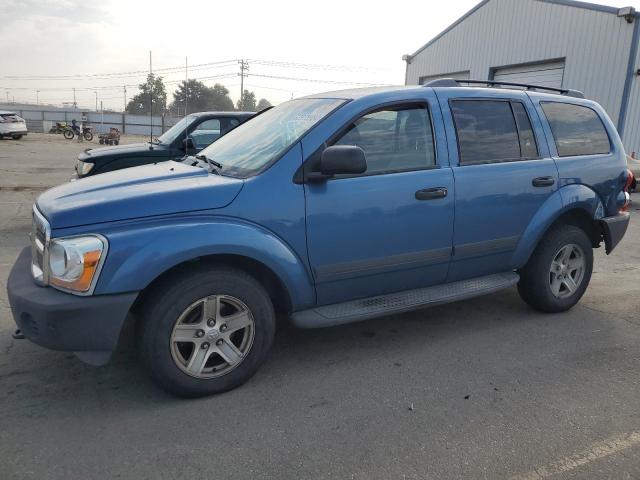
332 208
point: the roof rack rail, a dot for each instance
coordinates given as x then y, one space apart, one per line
450 82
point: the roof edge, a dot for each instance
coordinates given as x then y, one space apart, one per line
452 26
587 6
567 3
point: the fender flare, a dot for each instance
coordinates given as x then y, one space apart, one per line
140 252
569 197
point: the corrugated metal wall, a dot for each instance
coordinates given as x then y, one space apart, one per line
594 44
631 135
40 120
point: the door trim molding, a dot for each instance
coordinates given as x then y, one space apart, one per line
487 247
339 271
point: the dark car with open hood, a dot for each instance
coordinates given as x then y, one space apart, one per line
187 137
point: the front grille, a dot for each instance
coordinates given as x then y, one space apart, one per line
40 236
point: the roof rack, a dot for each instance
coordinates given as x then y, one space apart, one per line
450 82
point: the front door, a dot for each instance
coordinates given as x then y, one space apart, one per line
390 228
504 174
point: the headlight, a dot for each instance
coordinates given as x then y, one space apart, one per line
84 168
74 262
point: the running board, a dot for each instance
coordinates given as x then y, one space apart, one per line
393 303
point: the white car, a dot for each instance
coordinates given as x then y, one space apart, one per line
11 125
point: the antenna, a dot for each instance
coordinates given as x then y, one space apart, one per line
150 99
186 99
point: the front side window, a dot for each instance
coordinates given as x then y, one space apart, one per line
206 133
487 131
577 130
393 139
211 124
253 145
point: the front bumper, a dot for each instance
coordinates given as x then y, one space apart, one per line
88 326
613 229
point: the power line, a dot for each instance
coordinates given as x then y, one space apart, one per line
77 76
315 80
315 66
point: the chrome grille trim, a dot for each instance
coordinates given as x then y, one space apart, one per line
40 238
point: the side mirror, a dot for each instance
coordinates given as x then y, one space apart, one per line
342 160
188 144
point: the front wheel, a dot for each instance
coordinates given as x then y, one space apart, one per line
88 136
559 270
68 134
206 331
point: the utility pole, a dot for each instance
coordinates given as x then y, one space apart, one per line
7 92
37 97
96 92
124 89
75 105
244 67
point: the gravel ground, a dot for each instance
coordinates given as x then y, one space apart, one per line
485 388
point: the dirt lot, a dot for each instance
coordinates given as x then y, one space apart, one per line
485 388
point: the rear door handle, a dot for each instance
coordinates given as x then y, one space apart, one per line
431 193
543 181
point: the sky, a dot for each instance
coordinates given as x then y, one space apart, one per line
104 46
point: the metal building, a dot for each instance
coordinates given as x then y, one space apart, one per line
554 43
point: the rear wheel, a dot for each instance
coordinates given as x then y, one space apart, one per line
17 137
559 270
207 331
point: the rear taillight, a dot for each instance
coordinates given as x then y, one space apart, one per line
625 190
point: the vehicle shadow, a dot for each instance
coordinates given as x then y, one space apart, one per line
46 376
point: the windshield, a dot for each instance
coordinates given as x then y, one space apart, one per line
177 130
246 149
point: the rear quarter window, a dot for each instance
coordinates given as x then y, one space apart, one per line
577 130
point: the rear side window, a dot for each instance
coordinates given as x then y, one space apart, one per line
493 131
577 130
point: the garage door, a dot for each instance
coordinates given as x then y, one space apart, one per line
455 75
543 74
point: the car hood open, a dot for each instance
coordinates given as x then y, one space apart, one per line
157 189
119 151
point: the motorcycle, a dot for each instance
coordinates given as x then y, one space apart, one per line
87 133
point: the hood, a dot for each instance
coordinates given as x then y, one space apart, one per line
157 189
137 149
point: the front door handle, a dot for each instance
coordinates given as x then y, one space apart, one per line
543 181
431 193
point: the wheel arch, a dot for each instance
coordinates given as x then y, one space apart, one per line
576 205
272 283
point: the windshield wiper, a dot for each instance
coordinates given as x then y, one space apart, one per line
213 165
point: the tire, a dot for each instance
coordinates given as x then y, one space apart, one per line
116 142
175 311
88 136
548 282
68 134
101 141
17 137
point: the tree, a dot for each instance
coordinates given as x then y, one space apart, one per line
247 102
262 104
200 98
153 89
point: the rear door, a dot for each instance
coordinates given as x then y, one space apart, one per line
503 174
